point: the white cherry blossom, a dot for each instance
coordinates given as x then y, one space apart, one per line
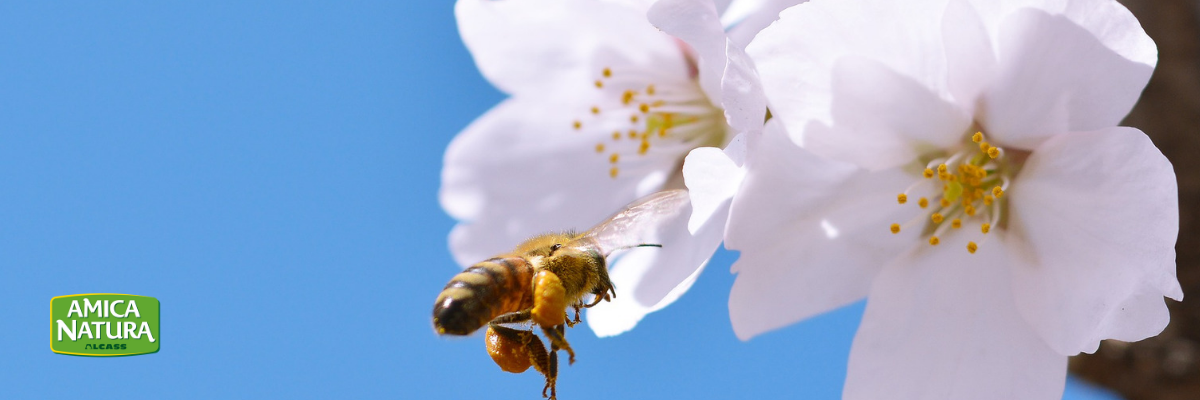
603 108
958 163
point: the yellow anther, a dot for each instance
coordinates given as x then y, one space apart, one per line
923 202
956 223
662 132
627 97
632 134
944 202
577 125
599 147
970 210
650 90
933 241
614 158
993 152
928 173
645 108
985 228
607 72
987 200
595 110
983 146
997 192
616 135
902 198
599 84
895 228
978 137
941 169
633 119
937 218
971 247
644 147
613 172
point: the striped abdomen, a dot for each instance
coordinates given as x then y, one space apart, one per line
483 292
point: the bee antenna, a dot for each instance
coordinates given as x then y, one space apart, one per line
649 245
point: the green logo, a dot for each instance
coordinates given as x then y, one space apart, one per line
104 324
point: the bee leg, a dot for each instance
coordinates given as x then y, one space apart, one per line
513 317
571 323
543 361
559 341
605 285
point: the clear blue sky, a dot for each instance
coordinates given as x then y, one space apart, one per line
269 172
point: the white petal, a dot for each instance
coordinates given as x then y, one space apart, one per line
648 279
1055 76
812 234
520 170
941 324
882 119
696 23
543 46
970 59
745 18
742 92
796 55
1097 215
1108 20
712 179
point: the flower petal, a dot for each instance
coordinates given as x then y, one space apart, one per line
745 18
712 178
1055 76
941 324
742 92
970 59
648 279
520 170
809 229
1096 215
882 119
542 46
696 23
796 57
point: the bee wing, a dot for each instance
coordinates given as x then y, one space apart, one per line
637 223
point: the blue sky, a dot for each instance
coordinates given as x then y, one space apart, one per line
269 172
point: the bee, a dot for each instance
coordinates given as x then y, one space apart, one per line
536 283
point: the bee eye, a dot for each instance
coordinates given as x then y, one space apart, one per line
555 247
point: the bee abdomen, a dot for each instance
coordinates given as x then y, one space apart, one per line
481 293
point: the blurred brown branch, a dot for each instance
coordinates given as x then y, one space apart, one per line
1166 366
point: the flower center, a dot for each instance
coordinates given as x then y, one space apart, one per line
965 188
645 114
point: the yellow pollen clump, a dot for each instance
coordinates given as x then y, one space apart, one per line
997 192
607 72
895 228
944 202
616 135
577 125
971 247
923 202
650 90
937 218
983 146
941 169
600 147
902 198
977 137
632 134
956 223
644 147
985 228
645 108
993 152
933 241
633 119
613 172
599 84
987 200
928 173
970 210
595 110
627 97
614 158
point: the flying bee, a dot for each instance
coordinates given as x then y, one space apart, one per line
537 281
